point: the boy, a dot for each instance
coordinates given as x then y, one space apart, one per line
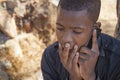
81 52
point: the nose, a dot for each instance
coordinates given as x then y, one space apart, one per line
67 38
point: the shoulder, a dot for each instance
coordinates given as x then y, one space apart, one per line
50 54
109 63
110 44
52 48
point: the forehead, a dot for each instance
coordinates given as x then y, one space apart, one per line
73 17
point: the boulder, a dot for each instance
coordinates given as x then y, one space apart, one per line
22 56
7 24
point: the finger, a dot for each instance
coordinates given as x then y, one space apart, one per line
75 62
80 61
85 50
72 55
94 41
65 53
60 52
83 56
60 48
88 53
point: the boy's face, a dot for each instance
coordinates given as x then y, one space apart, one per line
73 27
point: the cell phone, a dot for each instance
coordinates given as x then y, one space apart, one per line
89 43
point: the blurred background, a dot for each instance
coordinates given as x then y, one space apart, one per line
27 27
108 16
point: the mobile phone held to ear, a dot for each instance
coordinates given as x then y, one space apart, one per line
89 43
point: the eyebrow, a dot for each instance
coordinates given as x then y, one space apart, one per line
59 24
75 27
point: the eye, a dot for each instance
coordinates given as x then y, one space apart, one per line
77 31
60 28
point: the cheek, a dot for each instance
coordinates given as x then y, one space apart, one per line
81 40
59 35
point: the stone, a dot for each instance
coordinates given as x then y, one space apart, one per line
7 24
23 57
3 75
3 38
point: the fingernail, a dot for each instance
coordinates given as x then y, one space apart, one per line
75 47
77 54
95 30
67 45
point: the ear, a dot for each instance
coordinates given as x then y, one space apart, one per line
97 25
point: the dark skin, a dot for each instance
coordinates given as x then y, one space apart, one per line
74 29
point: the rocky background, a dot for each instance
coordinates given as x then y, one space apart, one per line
27 27
108 16
117 29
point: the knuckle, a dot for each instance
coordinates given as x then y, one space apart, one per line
74 61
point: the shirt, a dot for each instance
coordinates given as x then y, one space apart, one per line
107 66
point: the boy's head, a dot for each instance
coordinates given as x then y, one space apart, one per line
92 7
75 20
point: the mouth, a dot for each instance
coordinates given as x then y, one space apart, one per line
71 48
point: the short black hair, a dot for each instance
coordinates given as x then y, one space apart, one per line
92 7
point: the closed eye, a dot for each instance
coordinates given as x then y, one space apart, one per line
60 28
77 32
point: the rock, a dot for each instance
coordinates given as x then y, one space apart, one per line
22 54
27 26
3 75
14 48
3 38
23 57
7 24
55 2
10 6
20 10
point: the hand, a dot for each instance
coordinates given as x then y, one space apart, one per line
88 59
70 61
